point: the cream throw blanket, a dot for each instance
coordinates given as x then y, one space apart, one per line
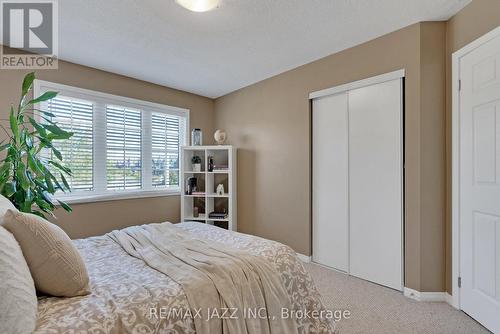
227 285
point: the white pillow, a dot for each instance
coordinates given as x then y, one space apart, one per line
18 303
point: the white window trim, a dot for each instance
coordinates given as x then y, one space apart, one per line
121 195
100 98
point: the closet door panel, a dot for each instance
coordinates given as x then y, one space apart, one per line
330 181
375 183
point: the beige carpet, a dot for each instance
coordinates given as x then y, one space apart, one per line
376 309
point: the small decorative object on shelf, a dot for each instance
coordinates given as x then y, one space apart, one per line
210 164
220 137
220 189
196 162
191 185
196 212
196 137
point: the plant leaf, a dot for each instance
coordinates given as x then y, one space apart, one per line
47 199
45 206
59 186
44 142
61 167
44 97
9 189
65 206
57 153
47 113
33 165
65 182
54 129
38 127
26 205
29 141
4 178
41 185
5 167
21 175
67 135
14 126
4 146
57 132
50 185
27 83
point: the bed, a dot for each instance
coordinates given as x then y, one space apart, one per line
128 296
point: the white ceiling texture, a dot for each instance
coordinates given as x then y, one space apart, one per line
240 43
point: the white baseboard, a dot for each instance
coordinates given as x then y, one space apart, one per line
304 258
426 296
452 301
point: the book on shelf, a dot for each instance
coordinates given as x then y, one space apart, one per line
198 193
220 167
217 215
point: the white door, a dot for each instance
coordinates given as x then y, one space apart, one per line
375 183
330 182
480 184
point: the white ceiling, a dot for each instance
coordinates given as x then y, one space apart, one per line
240 43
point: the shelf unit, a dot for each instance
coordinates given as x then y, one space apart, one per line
208 200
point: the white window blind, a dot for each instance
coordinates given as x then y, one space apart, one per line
74 116
121 147
166 139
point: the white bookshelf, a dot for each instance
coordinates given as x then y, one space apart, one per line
207 181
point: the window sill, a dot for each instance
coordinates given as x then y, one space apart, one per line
77 199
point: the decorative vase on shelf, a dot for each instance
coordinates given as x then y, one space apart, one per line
196 137
210 164
220 137
196 163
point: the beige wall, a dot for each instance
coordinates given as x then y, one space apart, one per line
269 123
98 218
473 21
433 160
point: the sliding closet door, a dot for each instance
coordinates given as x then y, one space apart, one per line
375 183
330 181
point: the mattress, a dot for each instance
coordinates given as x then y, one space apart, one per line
127 296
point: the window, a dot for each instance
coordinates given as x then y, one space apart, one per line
121 147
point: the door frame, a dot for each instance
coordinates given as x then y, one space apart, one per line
455 158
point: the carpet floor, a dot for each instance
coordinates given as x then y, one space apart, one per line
376 309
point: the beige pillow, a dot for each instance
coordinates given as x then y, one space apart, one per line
55 263
18 303
5 205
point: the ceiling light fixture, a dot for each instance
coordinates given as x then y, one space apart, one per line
199 5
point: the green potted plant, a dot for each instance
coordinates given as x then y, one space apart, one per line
196 163
27 178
